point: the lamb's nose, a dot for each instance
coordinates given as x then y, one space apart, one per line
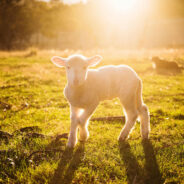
76 81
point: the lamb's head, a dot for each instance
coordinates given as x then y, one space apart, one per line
76 67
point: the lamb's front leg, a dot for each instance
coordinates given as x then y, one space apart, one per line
72 140
84 120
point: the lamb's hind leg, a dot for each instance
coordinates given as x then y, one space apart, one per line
131 116
145 121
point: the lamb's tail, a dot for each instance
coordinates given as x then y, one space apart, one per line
143 112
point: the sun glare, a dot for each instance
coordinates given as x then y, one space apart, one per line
125 6
126 11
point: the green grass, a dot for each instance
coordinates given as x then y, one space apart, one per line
31 95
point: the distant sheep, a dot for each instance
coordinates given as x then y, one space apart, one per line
87 87
164 66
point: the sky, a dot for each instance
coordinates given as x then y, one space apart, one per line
71 1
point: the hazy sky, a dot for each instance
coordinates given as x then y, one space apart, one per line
74 1
71 1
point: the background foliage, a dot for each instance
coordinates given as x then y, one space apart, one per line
20 19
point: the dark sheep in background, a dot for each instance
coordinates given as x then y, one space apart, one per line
164 66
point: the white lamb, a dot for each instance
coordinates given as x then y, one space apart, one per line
87 87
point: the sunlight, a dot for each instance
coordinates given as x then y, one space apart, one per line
74 1
122 14
124 6
127 8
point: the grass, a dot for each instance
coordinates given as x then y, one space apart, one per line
31 96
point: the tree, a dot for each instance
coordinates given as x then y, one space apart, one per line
16 23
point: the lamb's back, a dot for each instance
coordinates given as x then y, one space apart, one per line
108 80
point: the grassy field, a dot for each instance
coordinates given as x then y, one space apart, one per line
34 120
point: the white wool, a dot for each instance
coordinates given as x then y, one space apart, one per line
95 85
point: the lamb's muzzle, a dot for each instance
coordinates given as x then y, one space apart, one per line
87 87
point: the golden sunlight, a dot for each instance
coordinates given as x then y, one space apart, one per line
117 10
124 6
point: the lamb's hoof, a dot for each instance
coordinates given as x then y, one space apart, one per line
84 136
145 139
71 145
83 139
122 139
145 136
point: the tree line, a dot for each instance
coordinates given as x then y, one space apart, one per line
20 19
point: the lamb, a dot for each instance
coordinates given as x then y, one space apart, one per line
87 87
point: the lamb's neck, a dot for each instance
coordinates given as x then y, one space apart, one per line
76 89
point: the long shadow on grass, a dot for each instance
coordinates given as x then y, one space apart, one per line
153 174
150 174
133 169
67 166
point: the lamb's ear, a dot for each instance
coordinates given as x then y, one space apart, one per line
59 61
94 60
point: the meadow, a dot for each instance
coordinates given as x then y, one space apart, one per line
34 122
